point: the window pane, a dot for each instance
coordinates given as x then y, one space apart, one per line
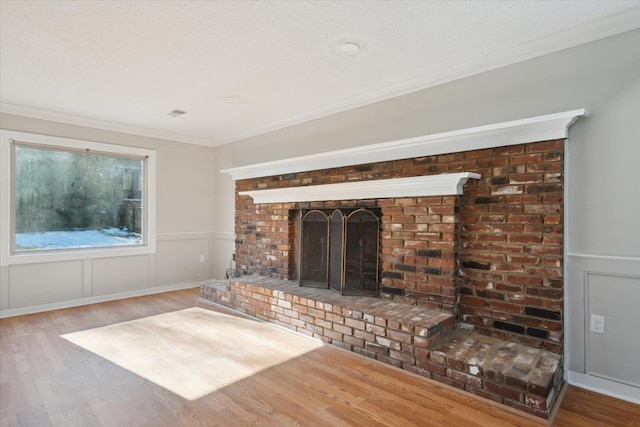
68 199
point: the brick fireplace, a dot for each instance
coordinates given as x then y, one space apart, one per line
492 256
470 273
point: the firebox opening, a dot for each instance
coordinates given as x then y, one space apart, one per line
339 249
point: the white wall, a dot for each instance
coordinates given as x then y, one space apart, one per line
603 230
184 223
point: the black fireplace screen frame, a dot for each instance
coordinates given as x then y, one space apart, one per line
339 249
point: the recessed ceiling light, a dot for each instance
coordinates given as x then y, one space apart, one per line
346 46
349 48
234 100
176 113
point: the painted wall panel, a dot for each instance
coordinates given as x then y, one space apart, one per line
113 275
603 197
31 284
613 355
575 315
224 244
178 261
4 287
607 286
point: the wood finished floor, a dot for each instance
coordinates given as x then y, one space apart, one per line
47 381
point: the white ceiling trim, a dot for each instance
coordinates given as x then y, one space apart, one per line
615 24
541 128
35 113
419 186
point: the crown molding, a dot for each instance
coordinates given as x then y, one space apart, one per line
69 119
541 128
565 39
418 186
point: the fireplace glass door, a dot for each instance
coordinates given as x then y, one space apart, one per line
339 250
336 264
315 245
361 253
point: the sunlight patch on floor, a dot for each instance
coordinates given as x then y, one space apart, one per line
193 352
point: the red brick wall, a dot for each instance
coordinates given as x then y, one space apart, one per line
419 246
493 255
512 244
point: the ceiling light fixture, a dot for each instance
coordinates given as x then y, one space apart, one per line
346 47
350 48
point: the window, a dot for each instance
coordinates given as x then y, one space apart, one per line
69 195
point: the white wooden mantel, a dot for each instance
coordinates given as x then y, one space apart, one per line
540 128
429 185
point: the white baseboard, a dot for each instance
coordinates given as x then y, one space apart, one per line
95 299
606 387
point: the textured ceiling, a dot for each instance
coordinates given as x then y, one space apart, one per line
125 65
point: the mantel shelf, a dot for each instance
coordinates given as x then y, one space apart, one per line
534 129
430 185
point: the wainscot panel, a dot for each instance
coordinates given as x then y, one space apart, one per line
31 284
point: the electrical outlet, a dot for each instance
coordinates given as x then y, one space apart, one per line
201 258
597 324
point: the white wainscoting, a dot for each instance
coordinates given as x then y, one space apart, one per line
181 260
32 284
607 286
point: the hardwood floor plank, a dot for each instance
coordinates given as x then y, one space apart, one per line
298 398
415 402
584 406
45 380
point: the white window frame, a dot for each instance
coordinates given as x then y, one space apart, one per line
7 200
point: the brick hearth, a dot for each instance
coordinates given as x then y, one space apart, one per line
418 339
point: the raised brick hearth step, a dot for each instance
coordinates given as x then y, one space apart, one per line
418 339
380 329
519 376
